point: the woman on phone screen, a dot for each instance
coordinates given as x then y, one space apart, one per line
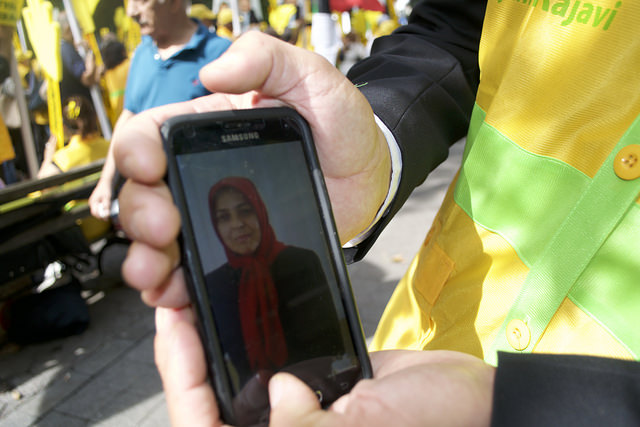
271 301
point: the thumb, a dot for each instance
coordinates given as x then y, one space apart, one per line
293 403
256 61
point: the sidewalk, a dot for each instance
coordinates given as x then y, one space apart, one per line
106 376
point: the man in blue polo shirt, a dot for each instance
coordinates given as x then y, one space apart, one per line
164 69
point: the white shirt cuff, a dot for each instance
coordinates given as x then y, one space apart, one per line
396 168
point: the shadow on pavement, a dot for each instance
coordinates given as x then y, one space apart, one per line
105 374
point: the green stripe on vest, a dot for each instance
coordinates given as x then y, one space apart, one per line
564 247
534 190
609 288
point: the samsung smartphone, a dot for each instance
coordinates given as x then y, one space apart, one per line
262 258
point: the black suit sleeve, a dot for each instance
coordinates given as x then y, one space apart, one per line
560 390
421 82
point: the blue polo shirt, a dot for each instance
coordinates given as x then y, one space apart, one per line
153 81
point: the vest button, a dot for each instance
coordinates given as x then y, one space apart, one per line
518 334
627 162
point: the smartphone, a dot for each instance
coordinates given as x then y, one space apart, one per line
262 258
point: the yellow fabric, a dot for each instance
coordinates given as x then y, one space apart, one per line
460 286
589 78
461 304
81 152
225 16
6 146
225 32
93 228
458 291
573 331
115 82
201 11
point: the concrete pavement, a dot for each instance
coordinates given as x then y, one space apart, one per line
106 376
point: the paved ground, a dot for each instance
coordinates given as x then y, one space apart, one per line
106 376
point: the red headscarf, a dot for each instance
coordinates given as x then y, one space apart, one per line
257 295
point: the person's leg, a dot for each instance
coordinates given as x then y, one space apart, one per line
9 172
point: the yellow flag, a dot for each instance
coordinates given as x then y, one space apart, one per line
83 11
54 105
10 12
44 34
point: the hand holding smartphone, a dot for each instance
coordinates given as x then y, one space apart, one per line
262 258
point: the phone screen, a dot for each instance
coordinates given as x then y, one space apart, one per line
268 270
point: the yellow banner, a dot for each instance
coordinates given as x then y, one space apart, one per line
55 110
10 12
83 11
44 34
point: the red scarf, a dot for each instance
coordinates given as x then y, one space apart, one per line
257 296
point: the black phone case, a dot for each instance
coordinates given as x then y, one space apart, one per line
191 264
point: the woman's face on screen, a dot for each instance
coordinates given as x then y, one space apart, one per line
237 222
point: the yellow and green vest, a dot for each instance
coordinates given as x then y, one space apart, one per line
537 245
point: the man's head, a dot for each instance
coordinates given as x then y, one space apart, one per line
65 27
156 17
244 5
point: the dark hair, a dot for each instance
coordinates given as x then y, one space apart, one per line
113 53
79 116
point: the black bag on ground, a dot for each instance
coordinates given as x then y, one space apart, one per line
54 313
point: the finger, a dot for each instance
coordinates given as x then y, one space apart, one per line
147 213
182 366
146 267
293 403
102 210
166 319
173 293
137 143
389 362
94 204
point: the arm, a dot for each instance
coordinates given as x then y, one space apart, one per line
419 388
421 82
76 65
48 167
542 389
447 388
91 74
100 199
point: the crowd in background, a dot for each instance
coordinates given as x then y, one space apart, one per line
104 64
106 77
